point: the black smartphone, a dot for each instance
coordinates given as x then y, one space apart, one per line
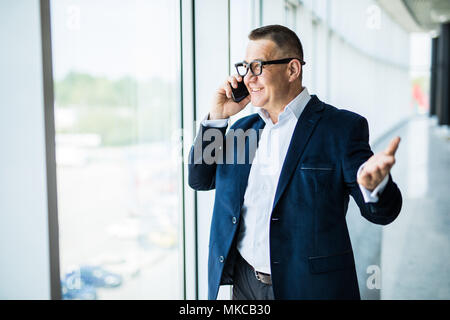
240 92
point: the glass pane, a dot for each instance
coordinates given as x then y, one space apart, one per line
256 67
117 107
242 70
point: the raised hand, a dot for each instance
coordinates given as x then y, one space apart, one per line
223 104
378 166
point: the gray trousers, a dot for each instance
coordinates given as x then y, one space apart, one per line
245 284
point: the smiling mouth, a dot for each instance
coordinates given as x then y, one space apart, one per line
256 89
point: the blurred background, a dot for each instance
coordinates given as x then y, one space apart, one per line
99 104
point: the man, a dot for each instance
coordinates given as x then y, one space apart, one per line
278 229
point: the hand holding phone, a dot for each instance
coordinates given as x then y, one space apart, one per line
230 98
240 92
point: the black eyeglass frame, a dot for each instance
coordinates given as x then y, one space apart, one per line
263 63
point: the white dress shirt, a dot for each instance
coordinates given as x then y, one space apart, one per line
253 238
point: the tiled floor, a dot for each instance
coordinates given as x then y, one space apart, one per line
412 254
415 250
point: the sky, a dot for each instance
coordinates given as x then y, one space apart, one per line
114 38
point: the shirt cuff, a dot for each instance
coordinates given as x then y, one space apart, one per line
372 196
220 123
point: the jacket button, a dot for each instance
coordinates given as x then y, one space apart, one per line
234 220
221 259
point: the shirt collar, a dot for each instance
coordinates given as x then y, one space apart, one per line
295 107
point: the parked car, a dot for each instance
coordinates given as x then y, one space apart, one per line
82 283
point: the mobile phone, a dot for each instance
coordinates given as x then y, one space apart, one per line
240 92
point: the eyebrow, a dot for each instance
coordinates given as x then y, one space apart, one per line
262 59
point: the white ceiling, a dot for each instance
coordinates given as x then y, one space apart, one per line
418 15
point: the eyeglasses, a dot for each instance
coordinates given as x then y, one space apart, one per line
256 66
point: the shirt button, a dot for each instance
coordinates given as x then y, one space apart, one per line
221 259
234 220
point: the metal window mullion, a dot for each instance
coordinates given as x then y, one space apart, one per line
190 254
49 118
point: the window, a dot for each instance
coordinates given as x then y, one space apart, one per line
290 14
117 112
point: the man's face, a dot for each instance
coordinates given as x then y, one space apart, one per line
271 86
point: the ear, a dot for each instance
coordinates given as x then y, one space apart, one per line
294 70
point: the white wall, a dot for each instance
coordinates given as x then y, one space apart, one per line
24 248
353 60
369 64
356 57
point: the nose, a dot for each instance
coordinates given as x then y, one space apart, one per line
249 77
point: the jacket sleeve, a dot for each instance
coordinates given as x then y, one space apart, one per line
205 154
356 152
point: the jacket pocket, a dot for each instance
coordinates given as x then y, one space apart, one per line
317 166
338 261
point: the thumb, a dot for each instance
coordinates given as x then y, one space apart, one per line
392 147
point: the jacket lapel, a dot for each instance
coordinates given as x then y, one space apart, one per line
302 132
244 169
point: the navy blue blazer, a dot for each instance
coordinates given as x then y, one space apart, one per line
311 254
